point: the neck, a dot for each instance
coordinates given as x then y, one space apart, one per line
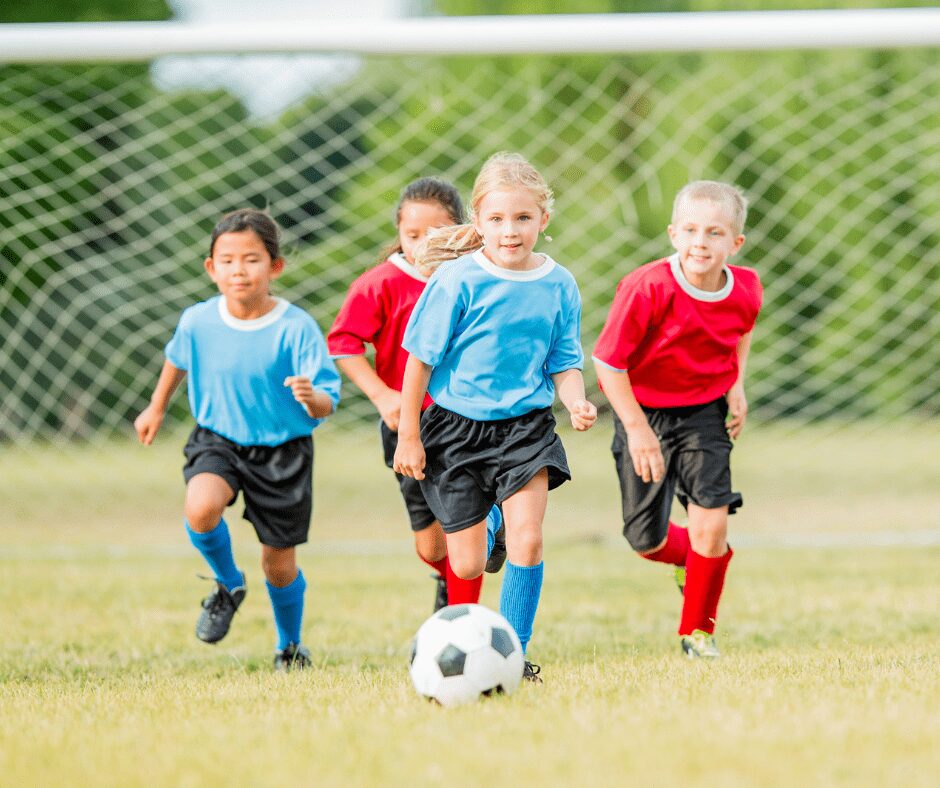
710 283
250 309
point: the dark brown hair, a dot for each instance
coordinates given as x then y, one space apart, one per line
251 219
427 190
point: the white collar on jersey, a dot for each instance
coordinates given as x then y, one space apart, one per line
399 261
507 273
257 323
692 290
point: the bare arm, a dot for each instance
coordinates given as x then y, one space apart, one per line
570 387
642 442
147 424
386 400
409 456
737 402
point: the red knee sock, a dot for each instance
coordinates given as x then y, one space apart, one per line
704 581
459 590
676 548
441 566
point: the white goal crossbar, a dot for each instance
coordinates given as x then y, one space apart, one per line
552 34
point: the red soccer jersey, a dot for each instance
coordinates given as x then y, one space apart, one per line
376 311
678 343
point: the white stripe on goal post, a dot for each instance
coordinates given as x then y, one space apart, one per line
554 34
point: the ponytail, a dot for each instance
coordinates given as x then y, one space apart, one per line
446 243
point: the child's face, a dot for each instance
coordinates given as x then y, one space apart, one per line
704 238
414 221
510 222
242 267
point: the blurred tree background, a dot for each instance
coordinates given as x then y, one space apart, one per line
125 177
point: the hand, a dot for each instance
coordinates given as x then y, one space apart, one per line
409 458
388 405
301 388
646 453
737 409
148 424
583 414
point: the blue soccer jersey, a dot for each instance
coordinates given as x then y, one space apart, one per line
236 370
495 336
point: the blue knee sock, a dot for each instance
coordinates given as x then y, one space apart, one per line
494 519
519 598
288 605
216 548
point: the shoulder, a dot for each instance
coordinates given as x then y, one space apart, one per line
648 278
200 313
748 279
452 273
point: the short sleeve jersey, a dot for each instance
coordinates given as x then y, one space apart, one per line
376 311
678 343
236 370
494 336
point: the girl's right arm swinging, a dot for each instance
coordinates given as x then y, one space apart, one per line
409 456
148 423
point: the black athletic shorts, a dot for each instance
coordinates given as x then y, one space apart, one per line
275 481
419 512
470 465
697 452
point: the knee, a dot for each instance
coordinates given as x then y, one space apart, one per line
524 547
466 568
279 570
201 514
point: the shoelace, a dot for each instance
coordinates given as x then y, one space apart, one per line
531 670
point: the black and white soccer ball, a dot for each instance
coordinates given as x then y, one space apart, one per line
464 652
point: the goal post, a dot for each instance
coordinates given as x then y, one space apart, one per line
120 149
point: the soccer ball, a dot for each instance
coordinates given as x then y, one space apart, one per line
463 652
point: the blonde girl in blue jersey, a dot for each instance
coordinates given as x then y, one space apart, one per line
494 336
259 381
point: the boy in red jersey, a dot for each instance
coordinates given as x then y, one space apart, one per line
671 359
376 311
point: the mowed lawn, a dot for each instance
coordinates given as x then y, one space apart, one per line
830 629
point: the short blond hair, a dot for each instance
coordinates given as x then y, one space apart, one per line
502 170
725 194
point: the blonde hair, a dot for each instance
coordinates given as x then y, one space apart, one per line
502 171
724 194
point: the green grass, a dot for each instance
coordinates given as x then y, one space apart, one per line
831 673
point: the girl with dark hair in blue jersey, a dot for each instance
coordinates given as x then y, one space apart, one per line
260 381
495 333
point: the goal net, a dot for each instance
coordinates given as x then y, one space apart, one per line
112 176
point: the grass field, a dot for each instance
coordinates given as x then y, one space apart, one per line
830 631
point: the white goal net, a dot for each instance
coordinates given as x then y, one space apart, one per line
111 179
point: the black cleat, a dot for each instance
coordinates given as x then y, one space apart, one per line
440 596
294 657
498 554
531 673
218 609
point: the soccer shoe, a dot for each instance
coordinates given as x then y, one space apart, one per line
440 596
700 645
218 609
531 673
498 554
294 657
680 578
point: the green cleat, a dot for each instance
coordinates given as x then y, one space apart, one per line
700 645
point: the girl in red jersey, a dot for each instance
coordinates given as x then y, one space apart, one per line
671 360
376 311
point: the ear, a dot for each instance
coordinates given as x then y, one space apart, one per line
544 222
738 243
672 236
277 267
209 265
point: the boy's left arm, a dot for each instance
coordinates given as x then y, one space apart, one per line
737 402
570 387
